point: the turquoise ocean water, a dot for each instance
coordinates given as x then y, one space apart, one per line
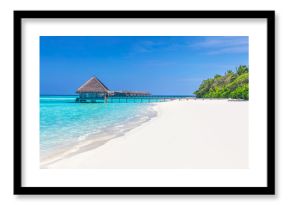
64 123
68 127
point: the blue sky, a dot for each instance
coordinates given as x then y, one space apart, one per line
157 64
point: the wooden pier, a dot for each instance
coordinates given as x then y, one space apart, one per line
133 99
94 91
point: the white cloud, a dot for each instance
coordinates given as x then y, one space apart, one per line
222 45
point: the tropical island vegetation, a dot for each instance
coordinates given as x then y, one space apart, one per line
230 85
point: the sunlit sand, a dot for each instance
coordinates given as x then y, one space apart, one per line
186 134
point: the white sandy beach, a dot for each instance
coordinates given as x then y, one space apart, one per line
188 134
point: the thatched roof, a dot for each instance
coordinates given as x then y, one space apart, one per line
93 85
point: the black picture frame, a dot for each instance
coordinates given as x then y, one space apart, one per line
268 190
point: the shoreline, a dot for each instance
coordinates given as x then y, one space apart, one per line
199 133
95 140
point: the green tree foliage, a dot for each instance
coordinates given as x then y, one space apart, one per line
230 85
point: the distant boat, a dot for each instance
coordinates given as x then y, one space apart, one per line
93 89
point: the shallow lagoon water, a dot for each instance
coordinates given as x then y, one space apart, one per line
64 122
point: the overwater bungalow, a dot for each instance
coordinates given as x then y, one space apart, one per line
93 90
127 93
